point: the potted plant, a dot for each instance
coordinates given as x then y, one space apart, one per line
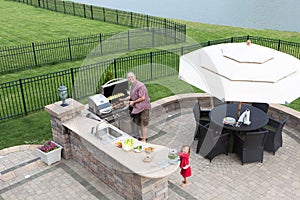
50 152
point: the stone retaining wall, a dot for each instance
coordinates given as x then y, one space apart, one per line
175 102
279 112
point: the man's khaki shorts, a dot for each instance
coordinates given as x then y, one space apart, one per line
142 118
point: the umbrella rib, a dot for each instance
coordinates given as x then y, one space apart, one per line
237 80
286 76
248 62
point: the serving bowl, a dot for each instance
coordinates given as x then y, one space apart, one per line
127 144
138 148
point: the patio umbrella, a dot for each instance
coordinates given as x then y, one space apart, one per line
243 72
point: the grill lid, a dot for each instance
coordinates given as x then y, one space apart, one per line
99 104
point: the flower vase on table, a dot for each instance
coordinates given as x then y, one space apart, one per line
173 156
50 152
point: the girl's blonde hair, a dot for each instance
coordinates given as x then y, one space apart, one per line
185 145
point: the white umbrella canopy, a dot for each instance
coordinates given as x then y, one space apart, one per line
242 72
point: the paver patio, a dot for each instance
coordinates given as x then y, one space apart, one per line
24 176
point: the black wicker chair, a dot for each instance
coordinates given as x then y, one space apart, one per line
274 138
250 146
201 117
263 106
211 142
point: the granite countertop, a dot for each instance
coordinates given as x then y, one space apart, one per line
158 167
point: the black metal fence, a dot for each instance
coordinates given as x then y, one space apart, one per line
27 95
56 51
154 31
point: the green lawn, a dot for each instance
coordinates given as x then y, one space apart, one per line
31 129
22 24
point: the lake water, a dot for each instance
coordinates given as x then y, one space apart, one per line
258 14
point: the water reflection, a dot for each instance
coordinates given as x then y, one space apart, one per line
259 14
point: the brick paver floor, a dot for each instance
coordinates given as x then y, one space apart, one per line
25 176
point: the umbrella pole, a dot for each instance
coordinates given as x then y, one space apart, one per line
239 109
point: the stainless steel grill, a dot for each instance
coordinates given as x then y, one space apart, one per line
107 105
99 105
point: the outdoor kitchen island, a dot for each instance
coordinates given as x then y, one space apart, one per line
124 171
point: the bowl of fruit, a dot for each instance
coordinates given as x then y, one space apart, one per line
149 149
119 144
127 144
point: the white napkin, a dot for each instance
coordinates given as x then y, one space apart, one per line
242 116
245 117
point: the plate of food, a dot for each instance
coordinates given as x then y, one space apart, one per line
149 149
138 148
119 144
148 158
229 120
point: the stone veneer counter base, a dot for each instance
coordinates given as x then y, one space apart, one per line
131 160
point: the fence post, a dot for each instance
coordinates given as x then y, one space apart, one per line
115 67
208 43
39 3
153 39
182 50
128 37
165 20
279 43
34 54
64 7
55 7
184 32
23 96
73 84
92 14
104 14
147 21
70 49
73 5
175 39
100 40
151 62
131 19
84 11
117 17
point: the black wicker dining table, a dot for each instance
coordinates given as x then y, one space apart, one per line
258 118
